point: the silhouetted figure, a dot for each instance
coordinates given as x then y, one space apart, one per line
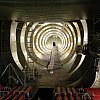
54 44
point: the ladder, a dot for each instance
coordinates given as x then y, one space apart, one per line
30 62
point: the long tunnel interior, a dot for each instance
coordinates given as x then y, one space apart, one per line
47 54
49 44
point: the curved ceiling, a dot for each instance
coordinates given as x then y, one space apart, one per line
49 10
